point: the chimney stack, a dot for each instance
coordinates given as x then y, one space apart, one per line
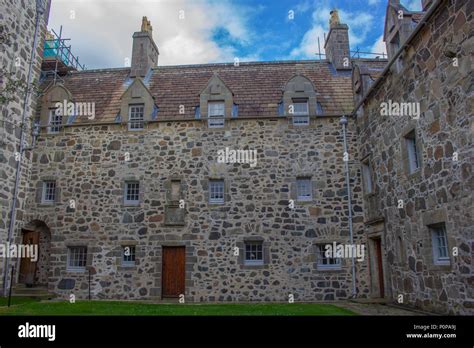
144 50
337 43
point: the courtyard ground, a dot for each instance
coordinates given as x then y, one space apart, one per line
29 306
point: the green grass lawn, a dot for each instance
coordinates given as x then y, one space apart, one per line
139 308
16 300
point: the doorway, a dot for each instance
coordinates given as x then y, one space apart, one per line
173 271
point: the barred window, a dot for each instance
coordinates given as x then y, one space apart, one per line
253 253
128 255
216 191
76 258
304 188
216 113
136 117
55 121
132 192
49 191
325 262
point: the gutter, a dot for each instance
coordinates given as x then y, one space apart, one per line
420 25
39 11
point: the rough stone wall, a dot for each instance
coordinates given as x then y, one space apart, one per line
17 20
89 164
442 190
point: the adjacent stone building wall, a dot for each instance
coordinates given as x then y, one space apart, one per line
17 27
90 167
442 190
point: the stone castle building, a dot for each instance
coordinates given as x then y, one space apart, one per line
226 182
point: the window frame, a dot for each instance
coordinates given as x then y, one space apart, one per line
44 192
54 126
256 261
132 256
133 120
216 200
215 120
367 176
305 198
437 231
413 159
80 258
320 249
126 192
300 118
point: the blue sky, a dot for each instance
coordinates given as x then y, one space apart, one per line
209 31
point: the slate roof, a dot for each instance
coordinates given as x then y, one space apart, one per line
257 87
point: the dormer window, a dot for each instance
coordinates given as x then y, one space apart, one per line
216 114
136 117
299 100
55 121
300 112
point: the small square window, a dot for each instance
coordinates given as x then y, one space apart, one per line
253 253
49 192
367 176
55 121
216 191
76 258
216 114
128 255
412 153
325 262
132 192
439 243
304 189
136 117
300 113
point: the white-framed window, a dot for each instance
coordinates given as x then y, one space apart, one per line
324 262
413 162
55 121
136 116
49 191
300 113
128 255
439 241
76 258
132 192
253 253
216 191
304 189
216 114
367 176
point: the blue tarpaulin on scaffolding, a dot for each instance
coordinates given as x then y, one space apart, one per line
53 49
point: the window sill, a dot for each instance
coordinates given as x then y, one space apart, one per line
128 204
253 267
127 268
329 269
414 175
75 271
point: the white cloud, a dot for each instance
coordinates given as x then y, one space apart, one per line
373 2
360 24
379 46
101 32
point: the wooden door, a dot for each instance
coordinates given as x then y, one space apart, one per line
173 271
378 255
27 267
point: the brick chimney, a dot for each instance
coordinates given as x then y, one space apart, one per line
144 50
337 43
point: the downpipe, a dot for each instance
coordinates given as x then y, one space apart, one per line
344 122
